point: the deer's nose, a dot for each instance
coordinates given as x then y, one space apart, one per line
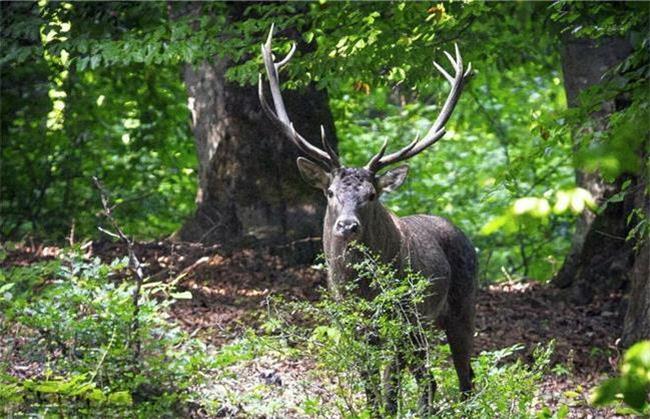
348 226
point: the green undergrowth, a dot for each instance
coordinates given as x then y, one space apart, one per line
70 347
74 344
505 386
630 390
351 337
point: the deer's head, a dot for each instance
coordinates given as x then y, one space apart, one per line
352 193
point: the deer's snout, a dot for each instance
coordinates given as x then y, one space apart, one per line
347 227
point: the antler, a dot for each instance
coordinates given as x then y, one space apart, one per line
278 113
437 131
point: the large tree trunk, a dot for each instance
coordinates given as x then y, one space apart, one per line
599 258
637 319
250 190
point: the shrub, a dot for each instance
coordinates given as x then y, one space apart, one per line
354 335
77 324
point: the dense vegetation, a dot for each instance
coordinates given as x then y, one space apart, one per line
97 90
102 96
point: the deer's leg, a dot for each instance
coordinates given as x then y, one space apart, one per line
461 336
371 376
427 385
392 380
418 363
372 389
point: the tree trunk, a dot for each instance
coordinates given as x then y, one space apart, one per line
636 325
599 258
250 190
602 258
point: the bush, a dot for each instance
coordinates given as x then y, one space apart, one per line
354 335
78 329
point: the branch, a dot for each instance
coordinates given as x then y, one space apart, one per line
134 264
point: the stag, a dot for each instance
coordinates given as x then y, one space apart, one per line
427 244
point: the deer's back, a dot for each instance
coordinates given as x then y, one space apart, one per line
455 254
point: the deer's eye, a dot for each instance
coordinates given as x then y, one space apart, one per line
330 193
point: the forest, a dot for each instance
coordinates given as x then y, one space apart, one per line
208 209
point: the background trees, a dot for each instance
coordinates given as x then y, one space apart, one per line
102 89
66 118
545 166
605 77
248 185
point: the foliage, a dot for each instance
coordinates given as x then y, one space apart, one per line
95 89
62 124
354 336
618 147
76 317
234 388
633 385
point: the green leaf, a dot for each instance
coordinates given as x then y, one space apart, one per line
96 395
120 398
54 386
6 287
94 61
562 412
636 395
82 63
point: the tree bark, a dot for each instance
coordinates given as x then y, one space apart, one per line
250 190
602 257
636 325
599 258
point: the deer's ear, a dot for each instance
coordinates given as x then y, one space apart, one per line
313 173
393 179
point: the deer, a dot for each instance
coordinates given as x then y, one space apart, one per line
430 245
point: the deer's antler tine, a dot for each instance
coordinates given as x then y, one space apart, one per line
451 59
375 159
437 131
444 72
468 73
269 38
328 148
410 146
286 59
278 114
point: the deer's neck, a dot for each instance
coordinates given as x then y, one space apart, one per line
381 235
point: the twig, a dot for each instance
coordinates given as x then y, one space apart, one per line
71 236
101 360
611 236
134 265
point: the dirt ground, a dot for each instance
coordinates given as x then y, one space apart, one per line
230 291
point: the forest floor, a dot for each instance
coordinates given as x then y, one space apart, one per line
230 292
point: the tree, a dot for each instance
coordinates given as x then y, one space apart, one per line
249 186
636 325
599 255
79 100
605 78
